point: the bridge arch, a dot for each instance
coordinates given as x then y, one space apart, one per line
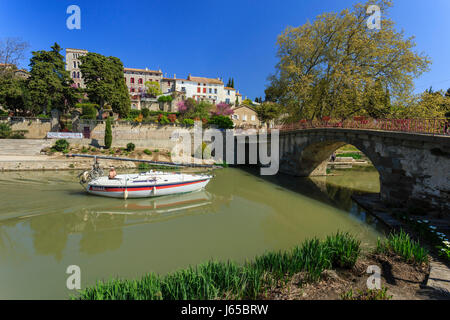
413 169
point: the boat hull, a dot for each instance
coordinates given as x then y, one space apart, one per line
147 191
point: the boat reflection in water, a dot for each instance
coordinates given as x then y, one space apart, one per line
160 208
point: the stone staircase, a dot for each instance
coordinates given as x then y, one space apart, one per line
22 147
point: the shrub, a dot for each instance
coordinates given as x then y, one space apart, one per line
188 122
145 112
5 130
223 122
108 134
165 99
147 152
61 145
172 117
88 110
163 119
130 147
18 134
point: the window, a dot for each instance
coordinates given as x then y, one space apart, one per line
204 90
78 75
74 74
140 81
74 64
227 101
198 90
244 117
235 116
253 118
132 80
215 91
183 89
228 92
132 90
210 90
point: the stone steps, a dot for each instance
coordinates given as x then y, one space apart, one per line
22 146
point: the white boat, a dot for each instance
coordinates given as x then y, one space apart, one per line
147 184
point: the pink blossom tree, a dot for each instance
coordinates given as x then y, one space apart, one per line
223 109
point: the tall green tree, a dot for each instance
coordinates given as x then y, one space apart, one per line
108 133
326 66
105 82
50 86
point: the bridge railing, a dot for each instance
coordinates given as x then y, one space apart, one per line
423 126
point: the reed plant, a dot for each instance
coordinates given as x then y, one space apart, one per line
402 245
228 280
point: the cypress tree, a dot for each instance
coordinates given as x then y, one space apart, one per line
108 134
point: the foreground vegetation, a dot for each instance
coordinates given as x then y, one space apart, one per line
402 245
215 280
253 280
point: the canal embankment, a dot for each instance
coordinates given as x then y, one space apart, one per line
39 155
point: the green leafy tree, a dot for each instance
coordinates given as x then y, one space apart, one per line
153 89
105 83
14 95
108 134
327 66
88 110
50 86
268 111
248 102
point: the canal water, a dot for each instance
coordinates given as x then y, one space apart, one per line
48 223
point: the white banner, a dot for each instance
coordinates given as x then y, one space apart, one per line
64 135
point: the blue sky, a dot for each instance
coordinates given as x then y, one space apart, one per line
209 38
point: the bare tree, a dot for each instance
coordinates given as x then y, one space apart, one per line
12 51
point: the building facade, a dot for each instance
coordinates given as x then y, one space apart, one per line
245 117
135 80
202 89
197 88
73 65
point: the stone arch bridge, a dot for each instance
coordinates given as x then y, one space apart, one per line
414 169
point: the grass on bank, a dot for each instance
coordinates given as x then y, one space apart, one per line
216 280
402 245
228 280
354 155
